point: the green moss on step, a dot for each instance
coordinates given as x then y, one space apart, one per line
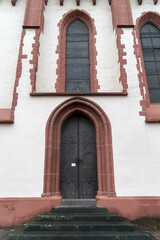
54 218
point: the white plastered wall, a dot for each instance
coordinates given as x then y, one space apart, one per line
108 69
146 6
141 139
135 144
11 20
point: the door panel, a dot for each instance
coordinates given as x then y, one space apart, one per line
69 152
78 159
87 157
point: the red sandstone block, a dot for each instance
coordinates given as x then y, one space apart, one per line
142 113
24 56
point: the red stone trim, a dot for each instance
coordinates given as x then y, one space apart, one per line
61 2
121 17
34 61
78 2
121 13
140 2
5 116
18 75
121 59
13 2
150 110
33 19
15 211
132 207
34 14
45 94
155 2
63 24
102 125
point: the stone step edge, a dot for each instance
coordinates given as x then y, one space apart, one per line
95 233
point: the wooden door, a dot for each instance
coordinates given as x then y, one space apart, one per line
78 176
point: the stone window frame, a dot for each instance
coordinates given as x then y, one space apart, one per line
151 111
61 48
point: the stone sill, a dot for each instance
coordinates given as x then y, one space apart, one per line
56 94
153 113
5 116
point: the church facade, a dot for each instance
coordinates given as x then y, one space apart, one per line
79 106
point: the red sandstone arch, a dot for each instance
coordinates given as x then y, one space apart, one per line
102 125
152 17
61 48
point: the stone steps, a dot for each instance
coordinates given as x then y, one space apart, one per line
79 223
77 218
86 227
78 202
80 236
82 210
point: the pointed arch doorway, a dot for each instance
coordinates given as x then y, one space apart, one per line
104 161
78 167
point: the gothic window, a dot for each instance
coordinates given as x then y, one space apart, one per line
150 41
76 64
77 73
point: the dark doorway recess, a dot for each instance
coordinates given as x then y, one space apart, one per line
77 58
78 175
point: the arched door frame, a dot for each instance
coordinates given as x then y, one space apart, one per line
61 48
105 169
